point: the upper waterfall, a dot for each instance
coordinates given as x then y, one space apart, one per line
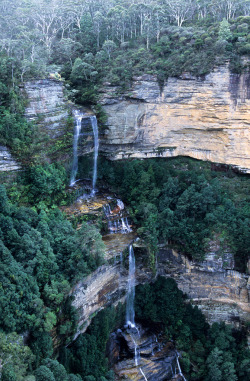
96 148
78 124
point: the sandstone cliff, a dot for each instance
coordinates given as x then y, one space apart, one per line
206 119
47 106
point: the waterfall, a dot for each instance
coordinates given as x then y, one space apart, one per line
145 378
96 142
120 204
78 123
179 367
116 223
130 312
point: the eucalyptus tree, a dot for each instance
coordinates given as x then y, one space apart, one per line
224 8
181 10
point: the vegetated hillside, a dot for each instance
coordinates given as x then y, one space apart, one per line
94 41
183 202
41 257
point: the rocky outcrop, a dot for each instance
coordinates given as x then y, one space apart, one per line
47 106
7 162
222 294
155 358
206 119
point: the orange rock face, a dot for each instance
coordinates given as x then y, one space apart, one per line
205 119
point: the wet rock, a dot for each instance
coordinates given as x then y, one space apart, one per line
156 360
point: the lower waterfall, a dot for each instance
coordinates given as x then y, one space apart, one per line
130 311
133 330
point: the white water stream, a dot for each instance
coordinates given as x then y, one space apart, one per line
117 223
78 124
96 148
130 311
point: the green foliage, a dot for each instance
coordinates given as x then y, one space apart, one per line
208 353
16 358
57 369
40 254
224 31
44 374
45 183
86 355
192 205
15 131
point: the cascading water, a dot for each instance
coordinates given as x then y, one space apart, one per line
96 148
120 204
130 311
179 367
78 123
117 223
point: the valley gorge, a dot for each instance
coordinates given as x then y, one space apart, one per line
222 295
207 119
148 123
124 190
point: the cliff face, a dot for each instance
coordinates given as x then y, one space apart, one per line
205 119
7 162
47 106
223 295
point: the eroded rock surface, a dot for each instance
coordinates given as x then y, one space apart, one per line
221 294
155 359
47 106
205 119
7 162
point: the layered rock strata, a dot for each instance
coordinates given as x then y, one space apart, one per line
223 295
106 286
206 119
7 162
47 106
156 359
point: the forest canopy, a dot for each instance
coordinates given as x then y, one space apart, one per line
91 41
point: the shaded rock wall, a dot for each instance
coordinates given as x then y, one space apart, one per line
221 294
205 119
